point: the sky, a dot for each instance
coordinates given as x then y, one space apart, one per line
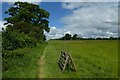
87 19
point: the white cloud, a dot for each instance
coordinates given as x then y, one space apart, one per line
37 3
62 0
92 19
90 0
67 32
54 33
88 20
77 5
2 25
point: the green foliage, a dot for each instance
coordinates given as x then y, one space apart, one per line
23 15
66 37
25 26
7 57
14 40
22 63
74 37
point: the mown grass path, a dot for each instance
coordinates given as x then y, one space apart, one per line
41 62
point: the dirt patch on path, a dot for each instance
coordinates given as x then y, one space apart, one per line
41 62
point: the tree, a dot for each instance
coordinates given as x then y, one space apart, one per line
74 37
67 36
25 26
26 17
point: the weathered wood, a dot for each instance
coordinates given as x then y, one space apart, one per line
73 63
60 65
65 63
64 60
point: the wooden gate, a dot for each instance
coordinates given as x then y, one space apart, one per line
66 61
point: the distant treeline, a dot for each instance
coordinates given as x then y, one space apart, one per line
75 37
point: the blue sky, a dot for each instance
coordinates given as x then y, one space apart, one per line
87 19
54 8
56 12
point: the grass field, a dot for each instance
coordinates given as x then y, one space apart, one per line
93 59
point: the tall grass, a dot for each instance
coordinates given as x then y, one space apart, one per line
24 66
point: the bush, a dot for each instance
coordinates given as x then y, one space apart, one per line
9 56
14 40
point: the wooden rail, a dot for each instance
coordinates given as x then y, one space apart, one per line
65 60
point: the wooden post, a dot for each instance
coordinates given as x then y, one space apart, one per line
65 63
72 63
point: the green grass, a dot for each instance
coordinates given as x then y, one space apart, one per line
24 66
93 59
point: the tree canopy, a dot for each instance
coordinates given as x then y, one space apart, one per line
26 21
74 37
29 13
